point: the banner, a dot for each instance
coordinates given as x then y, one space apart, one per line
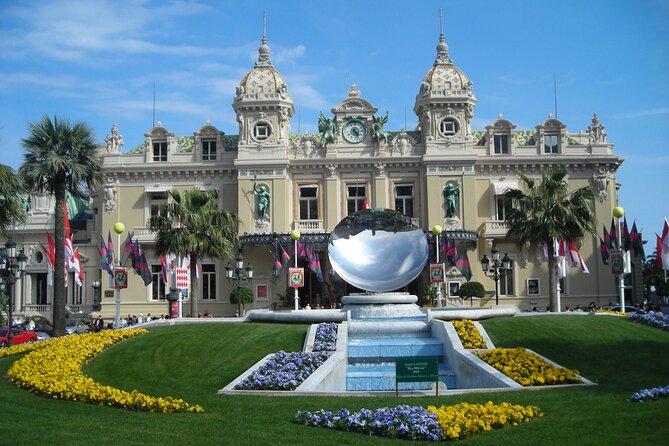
617 264
120 277
183 277
437 272
296 277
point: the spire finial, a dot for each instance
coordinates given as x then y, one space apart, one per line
442 47
264 51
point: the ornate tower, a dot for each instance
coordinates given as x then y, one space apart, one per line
445 105
264 109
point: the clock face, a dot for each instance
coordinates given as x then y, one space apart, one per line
354 131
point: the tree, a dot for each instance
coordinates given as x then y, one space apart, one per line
241 296
190 224
472 289
549 211
60 157
654 277
12 210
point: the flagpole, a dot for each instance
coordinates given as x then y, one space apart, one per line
119 228
437 231
295 235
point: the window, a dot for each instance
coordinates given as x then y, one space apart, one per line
449 127
261 131
158 285
40 289
501 143
506 282
404 199
209 150
262 292
503 205
550 143
74 292
356 196
308 202
160 151
208 281
156 199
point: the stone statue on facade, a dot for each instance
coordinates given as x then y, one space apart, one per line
326 129
114 140
263 199
378 132
109 195
402 143
596 130
451 195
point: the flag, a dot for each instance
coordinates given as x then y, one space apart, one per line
463 265
613 236
69 253
575 257
79 273
50 257
451 251
627 242
276 271
637 243
110 250
605 246
167 264
103 257
142 268
66 220
663 247
315 264
285 258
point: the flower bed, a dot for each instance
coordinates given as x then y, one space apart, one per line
526 368
652 318
464 419
655 393
326 337
468 334
418 423
22 348
283 371
53 369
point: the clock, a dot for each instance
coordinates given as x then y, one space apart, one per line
354 131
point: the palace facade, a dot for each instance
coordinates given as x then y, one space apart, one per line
443 172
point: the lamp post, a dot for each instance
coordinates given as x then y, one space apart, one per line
237 274
11 268
436 230
97 286
619 212
295 235
119 228
496 269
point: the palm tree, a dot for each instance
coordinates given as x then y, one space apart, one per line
60 157
549 211
191 224
11 209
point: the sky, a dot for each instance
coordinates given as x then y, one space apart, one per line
97 61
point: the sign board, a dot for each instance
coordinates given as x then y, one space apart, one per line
120 277
182 277
617 266
417 369
296 277
437 272
109 293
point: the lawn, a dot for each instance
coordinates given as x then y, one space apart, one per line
193 362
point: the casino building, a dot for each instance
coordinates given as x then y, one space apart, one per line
443 172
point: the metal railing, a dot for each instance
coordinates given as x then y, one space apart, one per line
307 226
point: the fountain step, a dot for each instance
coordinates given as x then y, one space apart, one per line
382 328
371 377
393 347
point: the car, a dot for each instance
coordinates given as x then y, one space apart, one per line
42 336
628 308
77 327
18 337
39 326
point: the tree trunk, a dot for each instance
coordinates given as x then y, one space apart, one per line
194 286
552 278
58 316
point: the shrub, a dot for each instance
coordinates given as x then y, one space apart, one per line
472 289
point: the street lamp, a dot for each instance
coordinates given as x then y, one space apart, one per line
437 230
236 273
119 228
295 236
496 269
11 268
619 212
96 285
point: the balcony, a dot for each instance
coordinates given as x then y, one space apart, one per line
308 226
496 228
144 235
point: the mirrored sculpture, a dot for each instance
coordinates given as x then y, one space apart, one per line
377 250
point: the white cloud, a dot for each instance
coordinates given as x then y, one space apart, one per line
643 113
288 55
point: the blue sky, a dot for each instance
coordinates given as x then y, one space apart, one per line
97 61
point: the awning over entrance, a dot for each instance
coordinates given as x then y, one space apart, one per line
500 187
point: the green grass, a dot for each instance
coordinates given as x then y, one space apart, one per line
193 362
